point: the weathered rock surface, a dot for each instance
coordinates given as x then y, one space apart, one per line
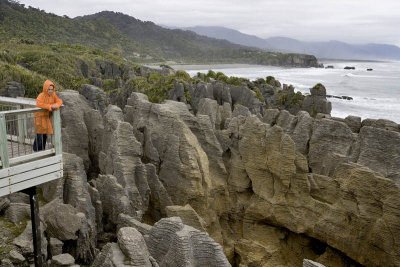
380 151
55 246
316 102
127 221
17 212
73 189
188 216
96 97
132 244
172 243
61 219
25 244
62 260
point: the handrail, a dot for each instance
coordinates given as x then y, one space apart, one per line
18 101
21 111
6 160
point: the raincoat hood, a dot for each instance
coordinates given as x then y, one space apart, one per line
46 86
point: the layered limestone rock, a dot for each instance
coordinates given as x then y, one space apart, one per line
172 243
178 143
316 102
331 209
270 190
73 189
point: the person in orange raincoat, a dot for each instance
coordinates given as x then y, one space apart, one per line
46 100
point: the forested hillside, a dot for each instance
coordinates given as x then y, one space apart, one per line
131 38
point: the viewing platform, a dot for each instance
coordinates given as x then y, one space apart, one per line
20 166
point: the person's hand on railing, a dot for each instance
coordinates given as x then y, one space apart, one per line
53 107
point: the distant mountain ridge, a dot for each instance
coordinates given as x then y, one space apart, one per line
140 41
330 49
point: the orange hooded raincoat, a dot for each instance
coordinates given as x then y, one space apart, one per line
45 101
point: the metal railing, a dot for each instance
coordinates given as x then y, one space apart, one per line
19 139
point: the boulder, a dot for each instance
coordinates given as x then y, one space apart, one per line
6 263
24 241
16 257
19 197
17 212
55 246
62 260
62 220
73 189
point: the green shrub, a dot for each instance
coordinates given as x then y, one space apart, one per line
109 84
259 95
181 74
221 77
297 98
270 80
211 74
318 85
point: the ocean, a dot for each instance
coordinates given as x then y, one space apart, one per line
376 93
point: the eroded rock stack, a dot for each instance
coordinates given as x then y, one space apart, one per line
270 189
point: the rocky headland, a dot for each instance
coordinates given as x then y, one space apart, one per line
217 175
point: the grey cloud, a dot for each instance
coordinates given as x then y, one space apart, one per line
352 21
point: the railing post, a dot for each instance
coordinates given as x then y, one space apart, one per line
57 131
21 127
3 142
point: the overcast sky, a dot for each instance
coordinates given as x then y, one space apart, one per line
353 21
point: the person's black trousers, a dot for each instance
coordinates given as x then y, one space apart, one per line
40 142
